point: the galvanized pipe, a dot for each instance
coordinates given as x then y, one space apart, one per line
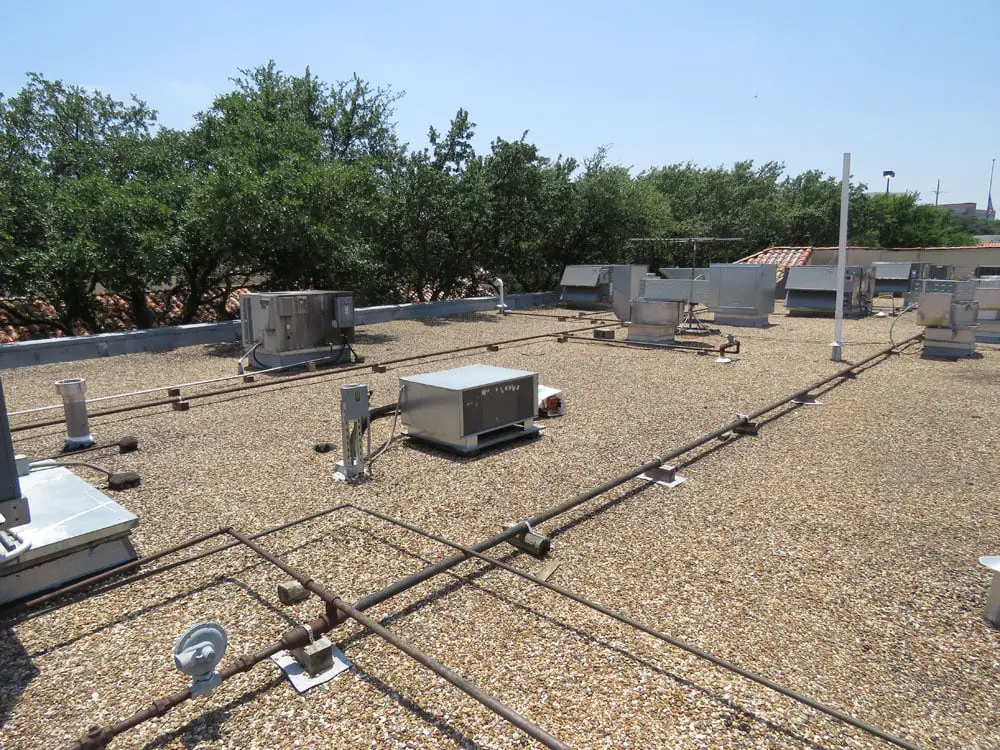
78 434
289 379
555 588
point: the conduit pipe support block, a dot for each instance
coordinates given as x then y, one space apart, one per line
316 656
665 476
531 542
292 592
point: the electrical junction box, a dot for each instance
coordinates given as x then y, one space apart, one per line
294 327
470 408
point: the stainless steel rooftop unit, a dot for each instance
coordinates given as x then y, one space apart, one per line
742 294
654 321
895 277
470 408
950 324
812 290
288 328
987 294
56 528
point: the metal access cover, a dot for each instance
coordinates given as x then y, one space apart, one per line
75 530
584 276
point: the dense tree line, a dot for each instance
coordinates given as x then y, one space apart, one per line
290 182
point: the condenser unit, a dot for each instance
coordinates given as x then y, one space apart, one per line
950 323
895 277
287 328
470 408
654 321
812 290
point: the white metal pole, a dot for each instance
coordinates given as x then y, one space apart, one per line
837 346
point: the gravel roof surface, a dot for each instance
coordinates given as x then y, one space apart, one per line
835 553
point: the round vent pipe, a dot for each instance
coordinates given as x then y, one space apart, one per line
73 392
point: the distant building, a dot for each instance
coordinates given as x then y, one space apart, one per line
964 209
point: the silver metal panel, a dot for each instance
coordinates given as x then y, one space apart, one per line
682 290
683 273
587 276
625 282
811 278
463 378
354 402
742 288
68 513
934 309
893 270
67 567
656 312
10 488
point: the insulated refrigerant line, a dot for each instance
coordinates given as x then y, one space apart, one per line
555 588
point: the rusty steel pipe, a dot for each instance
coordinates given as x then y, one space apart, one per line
415 579
334 600
98 737
302 376
625 619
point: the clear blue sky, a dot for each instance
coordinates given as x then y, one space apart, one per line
908 85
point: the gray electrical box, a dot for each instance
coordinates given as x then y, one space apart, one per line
469 408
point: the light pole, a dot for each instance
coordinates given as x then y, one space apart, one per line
888 174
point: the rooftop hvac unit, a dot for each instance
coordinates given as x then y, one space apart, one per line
950 324
288 328
586 287
601 287
987 295
894 277
812 290
654 321
470 408
742 294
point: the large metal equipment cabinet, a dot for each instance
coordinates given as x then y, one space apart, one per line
742 294
895 277
586 287
469 408
294 327
812 290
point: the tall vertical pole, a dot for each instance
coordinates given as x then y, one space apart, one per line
937 193
992 166
845 204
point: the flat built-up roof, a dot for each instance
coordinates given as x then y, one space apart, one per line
835 552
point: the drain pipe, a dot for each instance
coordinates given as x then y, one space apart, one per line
78 434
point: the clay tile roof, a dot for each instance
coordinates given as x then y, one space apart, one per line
782 257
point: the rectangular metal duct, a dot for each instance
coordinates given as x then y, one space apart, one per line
683 273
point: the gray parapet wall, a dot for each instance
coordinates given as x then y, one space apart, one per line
73 348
